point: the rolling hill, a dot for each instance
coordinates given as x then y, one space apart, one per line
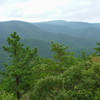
77 35
76 29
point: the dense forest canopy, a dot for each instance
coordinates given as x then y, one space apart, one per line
28 76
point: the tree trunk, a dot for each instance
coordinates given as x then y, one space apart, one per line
17 91
18 95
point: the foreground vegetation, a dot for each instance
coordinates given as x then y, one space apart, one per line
62 77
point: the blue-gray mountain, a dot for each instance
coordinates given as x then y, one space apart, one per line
76 29
77 35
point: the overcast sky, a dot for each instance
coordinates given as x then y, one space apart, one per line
44 10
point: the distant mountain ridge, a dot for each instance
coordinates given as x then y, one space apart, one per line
76 29
77 35
59 30
52 30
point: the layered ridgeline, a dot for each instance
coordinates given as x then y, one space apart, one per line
76 29
77 35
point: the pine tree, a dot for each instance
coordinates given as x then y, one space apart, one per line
61 54
97 49
16 77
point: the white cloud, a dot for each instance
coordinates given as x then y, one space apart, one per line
38 10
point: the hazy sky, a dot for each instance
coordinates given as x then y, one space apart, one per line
43 10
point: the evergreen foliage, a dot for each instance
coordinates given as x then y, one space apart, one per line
62 77
98 49
16 77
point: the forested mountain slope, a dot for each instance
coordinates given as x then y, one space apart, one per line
76 29
77 35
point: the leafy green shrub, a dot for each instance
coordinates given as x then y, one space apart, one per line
6 96
47 88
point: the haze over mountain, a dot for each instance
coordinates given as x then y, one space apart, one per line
78 35
77 29
59 30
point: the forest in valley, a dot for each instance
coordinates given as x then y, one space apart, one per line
63 76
